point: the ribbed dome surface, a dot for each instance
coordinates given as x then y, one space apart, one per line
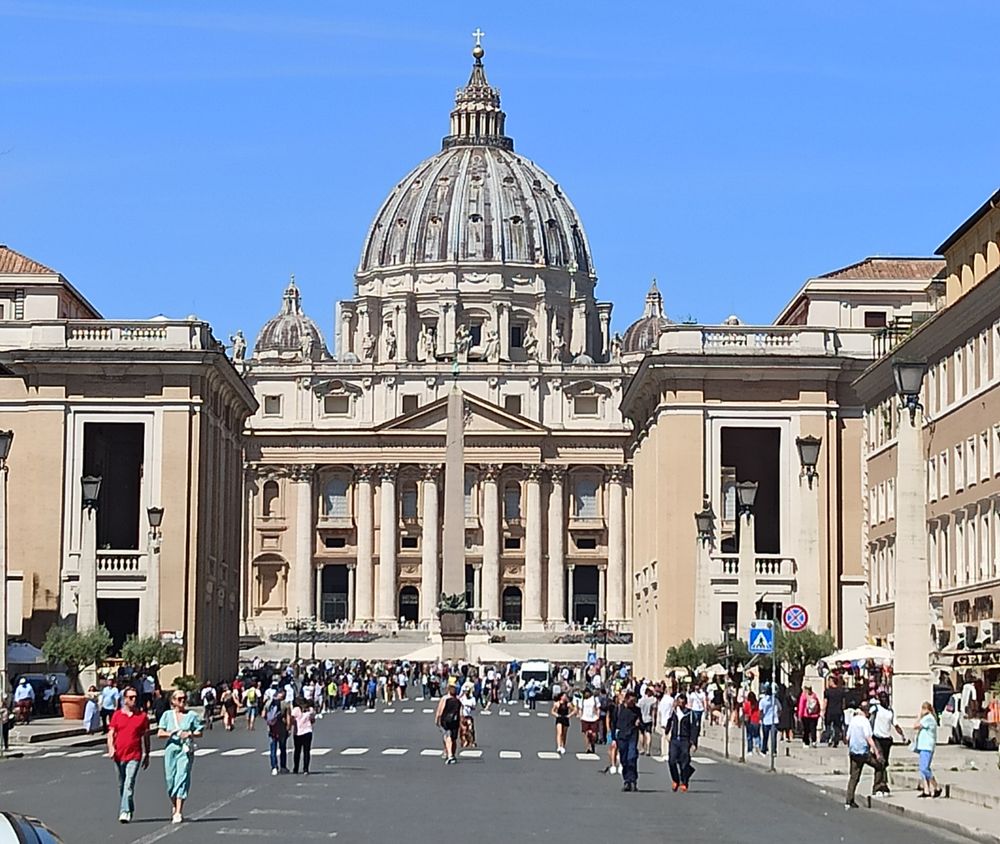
476 201
283 333
644 334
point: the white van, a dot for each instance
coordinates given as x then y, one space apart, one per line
540 670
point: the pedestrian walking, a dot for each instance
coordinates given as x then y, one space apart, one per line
862 750
808 710
467 731
833 711
562 710
303 718
251 698
278 719
447 717
109 699
228 701
924 744
664 709
180 727
611 719
128 746
590 715
647 709
627 740
697 702
770 715
883 725
751 721
683 730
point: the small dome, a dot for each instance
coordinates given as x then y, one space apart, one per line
643 334
732 319
283 335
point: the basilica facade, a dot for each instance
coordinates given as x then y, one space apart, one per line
476 271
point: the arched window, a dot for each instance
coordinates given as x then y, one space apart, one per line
470 486
408 501
512 501
269 496
585 498
335 497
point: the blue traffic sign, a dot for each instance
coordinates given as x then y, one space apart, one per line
795 617
761 639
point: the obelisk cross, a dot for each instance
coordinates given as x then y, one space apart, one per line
478 35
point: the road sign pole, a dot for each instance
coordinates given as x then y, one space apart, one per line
774 707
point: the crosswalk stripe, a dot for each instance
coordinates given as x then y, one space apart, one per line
239 751
418 699
503 713
427 711
471 754
703 760
588 757
354 751
161 752
524 714
431 752
510 754
485 712
547 754
81 753
542 714
407 711
395 751
320 751
53 753
389 711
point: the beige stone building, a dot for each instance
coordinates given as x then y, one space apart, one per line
932 479
476 271
156 410
716 406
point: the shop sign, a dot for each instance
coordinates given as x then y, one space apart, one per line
978 659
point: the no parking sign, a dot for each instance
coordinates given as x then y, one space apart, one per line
795 618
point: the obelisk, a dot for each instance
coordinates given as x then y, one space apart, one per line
453 541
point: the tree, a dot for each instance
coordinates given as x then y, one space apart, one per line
689 655
800 650
145 651
76 649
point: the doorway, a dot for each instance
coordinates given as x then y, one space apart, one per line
333 603
121 617
511 610
585 588
113 451
409 604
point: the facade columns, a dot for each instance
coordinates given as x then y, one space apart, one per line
86 594
911 676
319 592
811 562
430 587
351 585
149 605
477 586
570 592
490 575
386 605
365 524
602 588
703 602
301 477
557 547
532 614
615 595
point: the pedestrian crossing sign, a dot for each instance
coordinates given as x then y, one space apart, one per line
761 639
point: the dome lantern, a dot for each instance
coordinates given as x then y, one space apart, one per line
643 334
477 119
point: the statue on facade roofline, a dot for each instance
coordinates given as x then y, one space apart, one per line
368 346
463 342
306 345
492 349
531 344
390 342
239 346
616 348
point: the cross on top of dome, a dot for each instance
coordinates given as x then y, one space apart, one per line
291 301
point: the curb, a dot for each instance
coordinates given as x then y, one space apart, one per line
970 832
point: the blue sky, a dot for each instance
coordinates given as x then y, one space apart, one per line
186 157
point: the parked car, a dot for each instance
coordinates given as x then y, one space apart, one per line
20 829
965 718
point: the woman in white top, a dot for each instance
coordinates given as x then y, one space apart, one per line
590 716
467 728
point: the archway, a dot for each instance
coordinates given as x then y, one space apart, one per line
585 587
511 610
409 604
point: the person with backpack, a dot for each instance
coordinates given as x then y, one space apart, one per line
808 710
278 718
251 697
448 717
208 698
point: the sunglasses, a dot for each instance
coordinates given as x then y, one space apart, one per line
129 697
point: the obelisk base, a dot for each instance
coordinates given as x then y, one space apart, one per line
453 636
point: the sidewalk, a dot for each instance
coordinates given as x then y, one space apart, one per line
970 805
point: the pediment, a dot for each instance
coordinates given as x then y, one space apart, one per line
481 417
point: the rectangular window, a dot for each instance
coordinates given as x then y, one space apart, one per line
334 542
944 478
971 466
875 319
272 405
959 391
932 479
517 336
409 543
984 357
585 543
511 543
959 467
408 503
890 499
585 499
336 405
984 455
585 406
995 462
476 333
470 485
512 502
512 404
970 364
410 403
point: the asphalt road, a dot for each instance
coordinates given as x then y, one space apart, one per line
377 779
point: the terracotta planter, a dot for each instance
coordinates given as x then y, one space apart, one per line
73 706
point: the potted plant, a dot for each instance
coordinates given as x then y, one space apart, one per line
76 649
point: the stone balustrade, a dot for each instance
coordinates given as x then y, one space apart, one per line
769 567
111 335
765 340
120 564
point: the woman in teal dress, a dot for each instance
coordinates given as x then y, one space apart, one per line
179 727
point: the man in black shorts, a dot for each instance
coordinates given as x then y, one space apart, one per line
647 710
448 717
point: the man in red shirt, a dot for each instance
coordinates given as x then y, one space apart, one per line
128 745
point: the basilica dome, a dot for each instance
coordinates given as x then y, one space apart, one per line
476 201
290 332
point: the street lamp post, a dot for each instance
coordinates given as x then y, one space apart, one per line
151 602
746 494
6 440
911 675
86 595
705 523
809 573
